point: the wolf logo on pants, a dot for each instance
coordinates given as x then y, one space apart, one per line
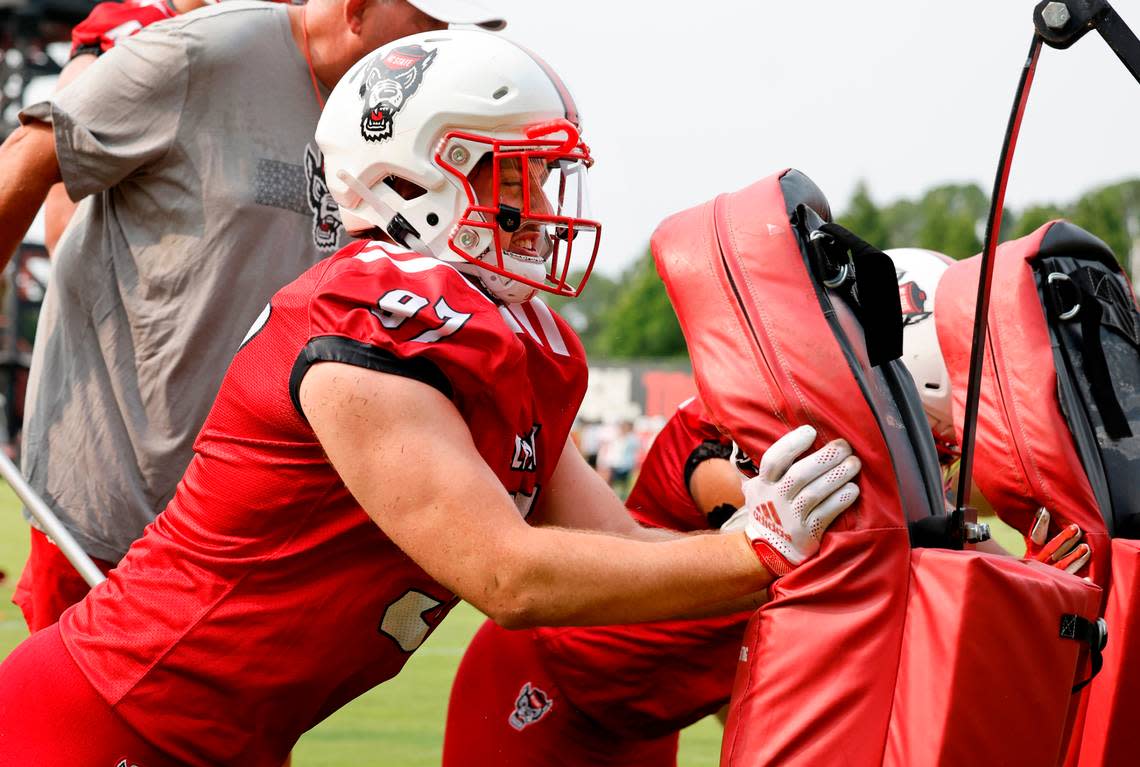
532 705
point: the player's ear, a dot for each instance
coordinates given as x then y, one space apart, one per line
354 14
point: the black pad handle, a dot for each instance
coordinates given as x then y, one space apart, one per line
871 287
1092 633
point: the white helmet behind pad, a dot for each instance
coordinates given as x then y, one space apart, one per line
918 272
426 109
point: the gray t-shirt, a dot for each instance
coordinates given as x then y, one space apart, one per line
192 143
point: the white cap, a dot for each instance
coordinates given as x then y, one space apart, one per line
461 12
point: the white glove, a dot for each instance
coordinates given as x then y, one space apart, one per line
789 503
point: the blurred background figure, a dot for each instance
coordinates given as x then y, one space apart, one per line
620 457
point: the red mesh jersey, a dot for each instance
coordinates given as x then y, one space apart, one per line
660 497
263 598
651 679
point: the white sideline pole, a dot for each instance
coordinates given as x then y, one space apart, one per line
50 522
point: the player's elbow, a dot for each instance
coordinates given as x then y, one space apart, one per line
516 618
517 590
513 599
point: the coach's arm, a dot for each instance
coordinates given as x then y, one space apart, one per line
58 207
28 168
406 454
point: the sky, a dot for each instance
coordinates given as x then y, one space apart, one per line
683 100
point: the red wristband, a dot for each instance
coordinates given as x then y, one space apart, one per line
774 562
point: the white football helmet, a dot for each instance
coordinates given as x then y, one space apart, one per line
918 272
413 124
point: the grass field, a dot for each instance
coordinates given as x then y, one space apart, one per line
400 723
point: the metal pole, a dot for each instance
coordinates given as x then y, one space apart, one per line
50 523
981 316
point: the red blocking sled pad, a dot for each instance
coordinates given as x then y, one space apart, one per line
1034 449
871 653
1111 734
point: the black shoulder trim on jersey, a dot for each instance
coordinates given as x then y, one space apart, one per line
350 352
710 448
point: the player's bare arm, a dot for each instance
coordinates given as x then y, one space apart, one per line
716 483
449 513
716 489
28 168
579 498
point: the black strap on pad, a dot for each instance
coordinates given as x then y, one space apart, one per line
1097 300
865 276
1092 633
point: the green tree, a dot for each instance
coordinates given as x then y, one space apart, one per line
864 218
584 312
640 322
903 220
1033 218
1102 212
951 218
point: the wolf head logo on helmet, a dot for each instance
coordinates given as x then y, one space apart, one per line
467 148
390 80
913 300
531 705
326 213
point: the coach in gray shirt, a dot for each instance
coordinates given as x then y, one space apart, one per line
191 145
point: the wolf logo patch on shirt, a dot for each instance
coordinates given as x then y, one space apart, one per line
532 705
326 213
389 81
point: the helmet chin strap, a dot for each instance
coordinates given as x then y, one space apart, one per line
503 288
403 235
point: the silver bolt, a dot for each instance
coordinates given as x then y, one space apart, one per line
458 155
976 532
1055 15
468 238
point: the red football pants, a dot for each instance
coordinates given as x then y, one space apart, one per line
51 716
487 724
49 584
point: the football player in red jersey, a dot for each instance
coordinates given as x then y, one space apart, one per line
392 436
612 695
